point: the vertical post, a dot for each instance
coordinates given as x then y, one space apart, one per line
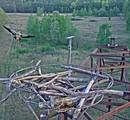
109 102
123 69
70 49
70 52
91 63
100 61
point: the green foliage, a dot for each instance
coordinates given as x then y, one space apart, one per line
128 22
52 29
39 11
74 13
22 50
102 12
30 6
116 11
83 12
111 12
46 47
126 8
88 46
95 12
103 34
127 14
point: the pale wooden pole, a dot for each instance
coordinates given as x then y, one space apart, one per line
70 49
69 62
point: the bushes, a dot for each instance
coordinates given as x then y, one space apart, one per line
39 11
52 29
115 11
88 45
30 6
126 8
46 47
103 34
102 12
83 12
127 14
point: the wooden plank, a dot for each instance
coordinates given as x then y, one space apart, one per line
114 111
109 53
118 116
82 101
113 67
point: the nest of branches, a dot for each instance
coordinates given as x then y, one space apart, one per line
60 92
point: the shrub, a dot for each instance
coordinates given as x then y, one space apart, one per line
52 29
39 11
95 12
47 47
88 46
127 14
74 13
126 8
114 12
102 12
103 34
82 12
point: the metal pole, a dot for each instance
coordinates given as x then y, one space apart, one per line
123 69
70 52
70 49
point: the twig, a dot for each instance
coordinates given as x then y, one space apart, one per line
6 98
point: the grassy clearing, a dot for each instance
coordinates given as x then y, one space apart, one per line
88 29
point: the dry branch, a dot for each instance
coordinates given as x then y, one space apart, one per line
58 93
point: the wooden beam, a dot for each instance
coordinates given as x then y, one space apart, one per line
82 101
118 116
114 111
113 67
109 53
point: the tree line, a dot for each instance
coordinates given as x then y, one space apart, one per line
127 14
63 6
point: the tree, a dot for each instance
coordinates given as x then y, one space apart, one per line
127 14
52 29
126 8
103 34
102 12
39 11
128 22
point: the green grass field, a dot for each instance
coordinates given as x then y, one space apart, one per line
87 27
